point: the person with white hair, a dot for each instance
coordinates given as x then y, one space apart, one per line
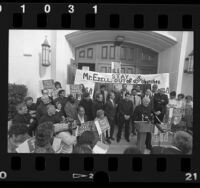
144 112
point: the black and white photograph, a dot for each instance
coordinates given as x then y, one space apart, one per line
100 92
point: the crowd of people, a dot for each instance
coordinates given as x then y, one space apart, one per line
122 108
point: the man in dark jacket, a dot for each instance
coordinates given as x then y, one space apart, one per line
144 112
51 116
160 100
86 102
97 104
45 92
42 108
125 113
110 110
24 117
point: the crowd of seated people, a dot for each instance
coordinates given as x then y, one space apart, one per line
120 107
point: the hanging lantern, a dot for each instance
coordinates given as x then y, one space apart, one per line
46 53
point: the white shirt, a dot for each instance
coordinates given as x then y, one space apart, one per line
81 119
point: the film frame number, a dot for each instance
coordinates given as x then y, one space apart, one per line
191 176
3 175
23 8
0 8
95 9
71 9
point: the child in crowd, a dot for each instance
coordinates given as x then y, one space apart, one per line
24 117
17 134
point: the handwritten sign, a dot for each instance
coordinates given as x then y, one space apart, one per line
48 84
87 126
104 124
162 80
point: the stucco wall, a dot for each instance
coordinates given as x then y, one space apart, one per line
168 60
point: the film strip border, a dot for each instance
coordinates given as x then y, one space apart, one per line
100 16
98 168
106 167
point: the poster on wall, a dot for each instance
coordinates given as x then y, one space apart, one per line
162 80
75 90
48 84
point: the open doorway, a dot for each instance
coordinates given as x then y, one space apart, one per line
91 66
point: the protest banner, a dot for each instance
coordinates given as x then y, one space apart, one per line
48 84
162 80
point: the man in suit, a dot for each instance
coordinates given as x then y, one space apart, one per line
125 113
110 110
104 93
86 102
97 104
160 102
136 102
154 89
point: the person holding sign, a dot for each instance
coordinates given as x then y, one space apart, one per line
125 113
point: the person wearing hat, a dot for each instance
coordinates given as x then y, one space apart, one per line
86 102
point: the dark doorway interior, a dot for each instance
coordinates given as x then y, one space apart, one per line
90 65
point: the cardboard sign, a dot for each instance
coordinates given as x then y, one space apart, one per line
58 127
100 148
104 124
87 126
48 84
75 90
27 147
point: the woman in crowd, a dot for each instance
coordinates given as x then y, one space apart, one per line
81 118
181 101
57 88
